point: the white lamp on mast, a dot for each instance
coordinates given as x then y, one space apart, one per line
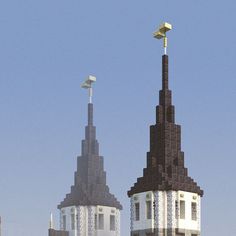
87 84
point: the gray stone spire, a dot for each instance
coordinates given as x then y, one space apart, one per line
90 144
90 178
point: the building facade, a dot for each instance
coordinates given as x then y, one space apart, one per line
165 201
89 209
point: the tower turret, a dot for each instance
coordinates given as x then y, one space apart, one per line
165 200
90 209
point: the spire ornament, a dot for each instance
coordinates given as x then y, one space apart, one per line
161 33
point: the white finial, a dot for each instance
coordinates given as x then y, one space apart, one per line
51 222
161 33
87 84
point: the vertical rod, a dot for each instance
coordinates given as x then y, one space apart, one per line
51 222
165 45
90 95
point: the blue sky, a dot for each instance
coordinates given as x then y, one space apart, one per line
48 47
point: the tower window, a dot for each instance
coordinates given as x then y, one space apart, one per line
194 211
100 221
182 209
112 223
72 222
64 222
137 211
149 209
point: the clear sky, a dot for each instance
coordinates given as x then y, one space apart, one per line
48 47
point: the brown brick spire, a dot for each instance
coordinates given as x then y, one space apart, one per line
165 161
165 111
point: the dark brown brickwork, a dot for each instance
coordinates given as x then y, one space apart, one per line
165 232
165 161
52 232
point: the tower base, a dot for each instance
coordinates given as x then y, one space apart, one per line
52 232
165 232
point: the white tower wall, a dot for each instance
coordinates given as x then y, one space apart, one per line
90 220
166 216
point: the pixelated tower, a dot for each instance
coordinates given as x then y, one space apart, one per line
89 209
165 201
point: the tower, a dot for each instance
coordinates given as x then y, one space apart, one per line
90 209
165 201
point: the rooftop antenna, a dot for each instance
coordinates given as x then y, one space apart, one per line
87 84
161 33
